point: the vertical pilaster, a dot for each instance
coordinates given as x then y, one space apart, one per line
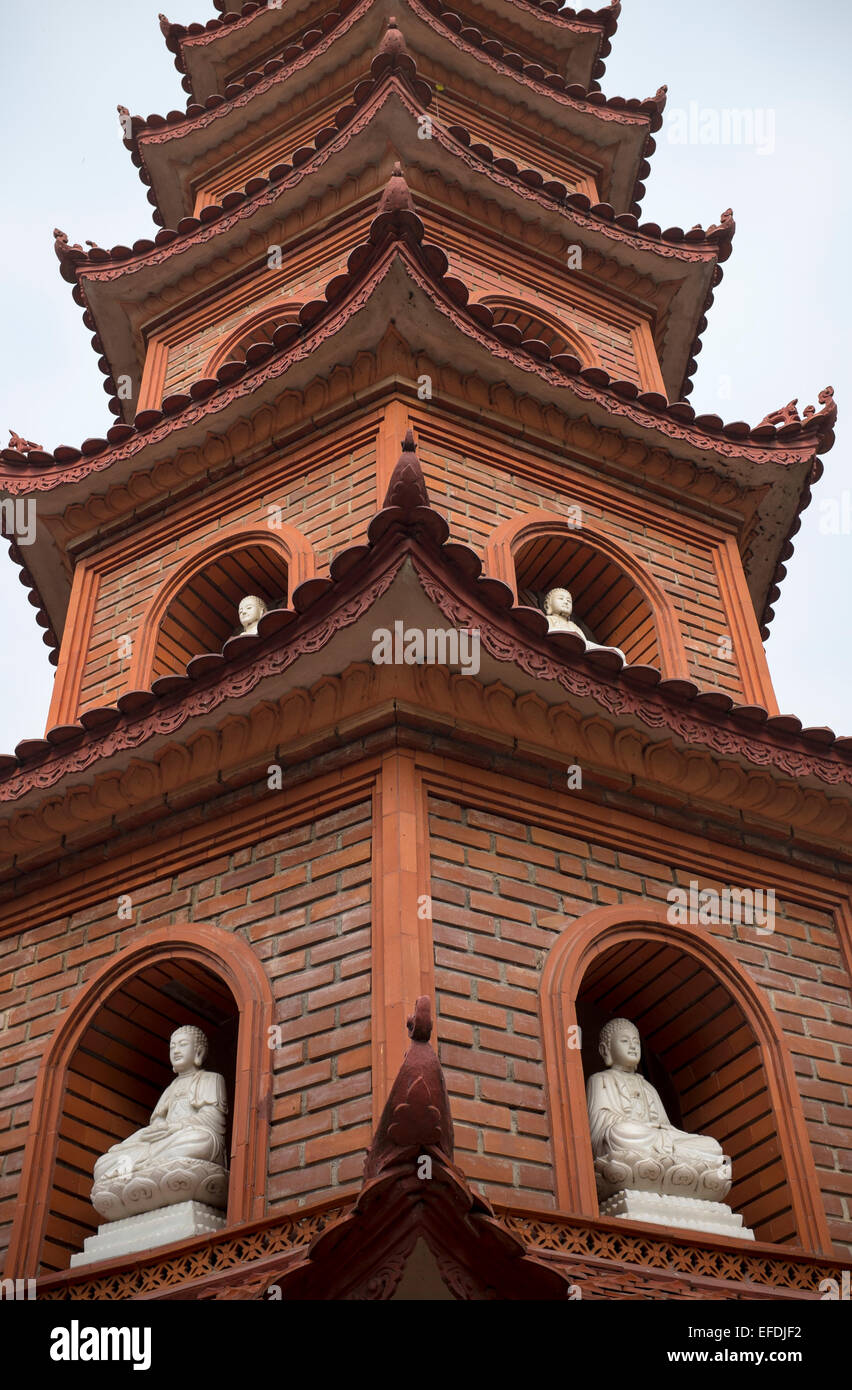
749 653
392 429
403 962
74 647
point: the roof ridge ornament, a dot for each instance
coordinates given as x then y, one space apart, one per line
725 224
407 486
396 214
826 400
789 415
61 244
397 194
393 52
19 444
417 1115
407 504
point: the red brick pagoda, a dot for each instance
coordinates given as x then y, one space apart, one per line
402 357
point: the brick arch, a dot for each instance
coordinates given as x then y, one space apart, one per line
573 341
583 943
507 539
284 541
234 963
257 327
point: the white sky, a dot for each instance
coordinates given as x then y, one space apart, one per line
778 329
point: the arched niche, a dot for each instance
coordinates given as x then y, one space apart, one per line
116 1075
195 609
202 615
711 1047
615 596
107 1065
254 331
537 325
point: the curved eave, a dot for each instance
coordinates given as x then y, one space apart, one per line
395 277
620 127
408 545
58 603
204 53
632 122
107 283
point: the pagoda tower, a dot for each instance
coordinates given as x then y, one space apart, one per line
399 361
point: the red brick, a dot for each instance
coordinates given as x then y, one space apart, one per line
512 1093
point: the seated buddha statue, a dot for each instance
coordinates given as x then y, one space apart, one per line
180 1156
634 1143
558 609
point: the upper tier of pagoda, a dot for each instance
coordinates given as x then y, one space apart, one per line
136 297
352 259
669 275
558 128
396 273
229 708
238 45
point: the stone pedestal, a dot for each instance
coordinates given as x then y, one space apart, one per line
176 1181
181 1221
690 1213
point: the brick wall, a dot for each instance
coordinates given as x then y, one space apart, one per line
492 877
331 505
508 138
476 497
306 268
277 148
302 899
607 335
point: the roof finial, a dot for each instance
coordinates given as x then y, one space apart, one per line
787 415
416 1116
397 195
419 1024
826 400
407 486
393 54
61 244
396 215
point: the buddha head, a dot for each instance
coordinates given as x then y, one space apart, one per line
620 1045
187 1049
251 610
558 603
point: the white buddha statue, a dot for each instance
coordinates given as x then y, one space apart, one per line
635 1145
252 608
558 609
180 1156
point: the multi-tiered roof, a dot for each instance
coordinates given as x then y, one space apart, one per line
393 154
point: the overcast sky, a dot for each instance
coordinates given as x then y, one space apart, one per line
778 328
